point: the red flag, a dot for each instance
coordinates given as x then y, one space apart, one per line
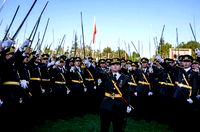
94 32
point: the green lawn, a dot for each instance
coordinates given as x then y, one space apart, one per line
91 123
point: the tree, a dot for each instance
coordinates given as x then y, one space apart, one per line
107 51
191 44
121 54
135 56
163 49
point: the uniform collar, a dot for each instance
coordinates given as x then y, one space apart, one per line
187 69
144 69
78 68
118 75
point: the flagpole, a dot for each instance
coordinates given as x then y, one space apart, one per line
83 35
2 5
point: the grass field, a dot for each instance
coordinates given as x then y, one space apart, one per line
91 123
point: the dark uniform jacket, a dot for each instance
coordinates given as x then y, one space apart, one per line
145 84
111 101
77 82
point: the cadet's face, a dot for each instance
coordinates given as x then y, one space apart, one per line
181 63
195 66
123 64
107 64
144 65
102 65
115 67
37 60
62 63
8 56
71 63
27 50
134 67
77 63
186 64
26 60
45 61
171 64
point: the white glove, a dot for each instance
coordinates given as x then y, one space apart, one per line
150 93
190 100
57 63
85 89
135 93
197 51
23 84
198 96
21 101
25 44
87 63
24 54
95 87
68 91
1 102
71 69
7 43
150 70
37 53
51 59
128 109
130 68
43 91
159 58
51 64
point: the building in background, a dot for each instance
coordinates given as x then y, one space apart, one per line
175 52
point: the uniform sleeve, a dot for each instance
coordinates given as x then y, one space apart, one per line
195 85
14 58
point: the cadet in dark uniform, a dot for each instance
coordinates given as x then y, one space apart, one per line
113 107
133 76
45 75
186 88
195 65
24 74
144 89
11 90
108 63
166 84
101 83
77 86
90 83
60 90
124 68
35 75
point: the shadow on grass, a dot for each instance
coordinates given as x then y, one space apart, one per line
91 123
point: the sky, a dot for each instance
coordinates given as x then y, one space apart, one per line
118 21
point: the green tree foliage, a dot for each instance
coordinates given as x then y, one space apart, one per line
121 54
135 56
107 51
191 44
163 49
